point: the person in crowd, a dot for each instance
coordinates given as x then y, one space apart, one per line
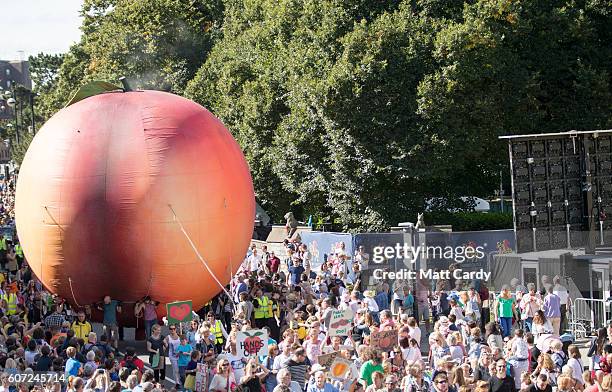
156 347
564 300
506 311
500 380
147 309
551 307
111 307
81 326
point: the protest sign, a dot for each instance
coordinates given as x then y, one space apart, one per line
326 360
251 343
339 368
384 340
201 378
178 312
340 322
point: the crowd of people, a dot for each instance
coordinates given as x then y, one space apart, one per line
452 335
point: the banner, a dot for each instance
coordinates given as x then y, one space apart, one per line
384 340
252 343
340 322
179 312
322 245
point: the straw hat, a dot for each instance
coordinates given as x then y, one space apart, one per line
369 293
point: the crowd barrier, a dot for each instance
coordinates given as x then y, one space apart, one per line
587 315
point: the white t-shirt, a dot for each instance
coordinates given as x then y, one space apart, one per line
577 367
520 348
456 352
415 333
306 257
411 354
236 364
561 292
254 262
219 382
279 361
372 305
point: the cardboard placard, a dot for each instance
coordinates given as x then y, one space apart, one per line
384 340
340 322
326 360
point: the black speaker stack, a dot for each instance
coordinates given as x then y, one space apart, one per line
561 190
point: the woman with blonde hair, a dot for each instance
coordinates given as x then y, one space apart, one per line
482 386
546 366
76 384
224 377
254 375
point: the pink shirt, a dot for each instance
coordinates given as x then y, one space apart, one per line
149 312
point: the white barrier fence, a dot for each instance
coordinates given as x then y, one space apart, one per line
588 315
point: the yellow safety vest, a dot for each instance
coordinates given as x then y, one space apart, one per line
3 243
11 300
81 330
263 309
18 250
217 331
273 311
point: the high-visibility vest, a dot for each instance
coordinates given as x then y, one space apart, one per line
262 310
2 243
11 300
81 330
18 250
217 331
273 310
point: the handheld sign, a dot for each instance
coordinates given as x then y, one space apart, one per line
252 343
384 340
178 312
340 322
201 378
339 368
326 360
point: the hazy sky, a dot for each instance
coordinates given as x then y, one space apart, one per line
34 26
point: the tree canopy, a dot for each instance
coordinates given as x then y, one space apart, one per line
355 110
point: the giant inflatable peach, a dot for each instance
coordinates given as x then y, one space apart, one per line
107 184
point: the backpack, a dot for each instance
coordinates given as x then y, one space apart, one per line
560 359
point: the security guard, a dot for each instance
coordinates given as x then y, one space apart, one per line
19 253
263 309
218 330
11 300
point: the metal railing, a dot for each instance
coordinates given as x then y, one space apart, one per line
588 315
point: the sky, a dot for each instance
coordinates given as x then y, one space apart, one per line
35 26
